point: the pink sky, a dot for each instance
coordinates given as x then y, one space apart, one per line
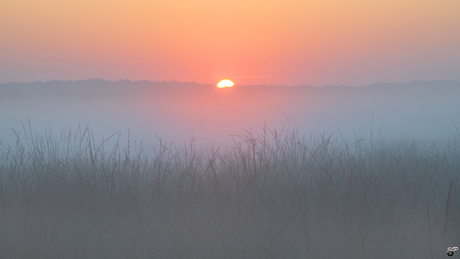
290 42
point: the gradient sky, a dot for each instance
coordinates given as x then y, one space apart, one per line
289 42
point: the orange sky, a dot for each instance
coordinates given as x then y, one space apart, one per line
290 42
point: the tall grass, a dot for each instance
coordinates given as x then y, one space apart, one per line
274 195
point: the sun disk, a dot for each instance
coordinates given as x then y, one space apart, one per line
225 83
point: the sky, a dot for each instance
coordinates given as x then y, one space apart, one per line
289 42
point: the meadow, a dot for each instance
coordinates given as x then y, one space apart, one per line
279 194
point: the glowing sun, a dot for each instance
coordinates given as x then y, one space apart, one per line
225 83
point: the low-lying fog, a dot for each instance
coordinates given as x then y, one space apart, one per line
176 111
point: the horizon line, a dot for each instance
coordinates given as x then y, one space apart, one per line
193 82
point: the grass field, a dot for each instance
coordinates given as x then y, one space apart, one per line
274 195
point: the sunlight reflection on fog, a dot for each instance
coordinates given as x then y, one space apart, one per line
178 112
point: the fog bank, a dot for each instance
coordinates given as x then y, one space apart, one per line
178 112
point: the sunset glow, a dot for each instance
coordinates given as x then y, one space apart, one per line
225 83
295 42
229 128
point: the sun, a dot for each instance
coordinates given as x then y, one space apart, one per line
224 83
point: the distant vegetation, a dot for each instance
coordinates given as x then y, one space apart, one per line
174 109
274 195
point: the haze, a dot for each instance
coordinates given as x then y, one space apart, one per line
177 112
370 171
339 139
